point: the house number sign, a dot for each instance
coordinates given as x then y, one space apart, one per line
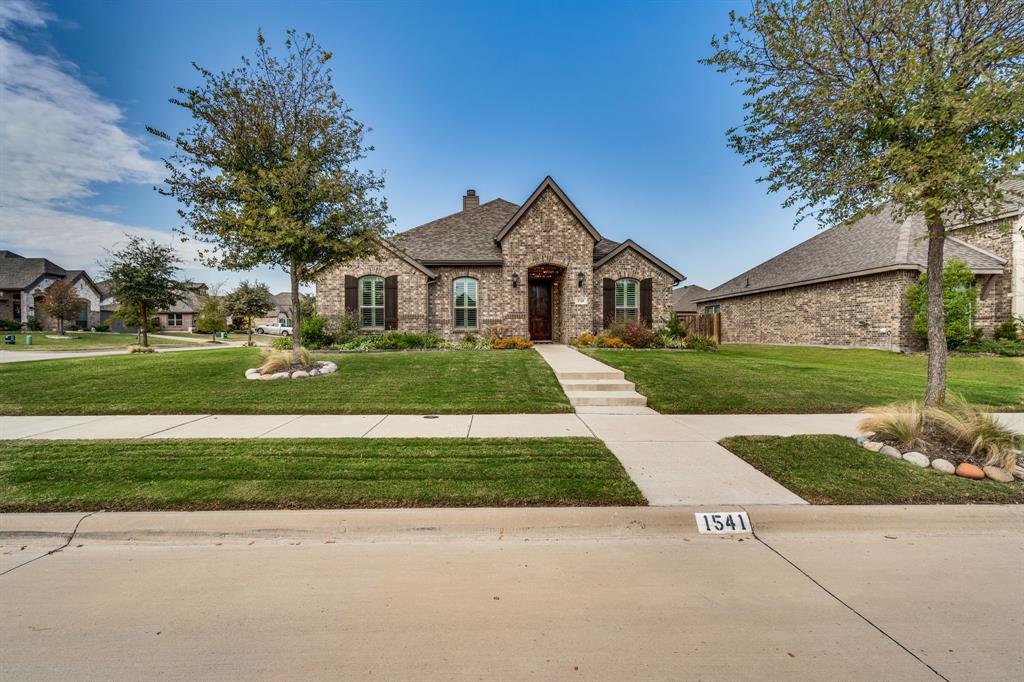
723 522
581 300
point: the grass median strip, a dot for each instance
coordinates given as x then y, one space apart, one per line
142 475
833 470
213 382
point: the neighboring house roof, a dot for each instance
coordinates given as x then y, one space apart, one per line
463 236
17 272
283 299
75 274
630 244
875 243
684 299
104 287
547 183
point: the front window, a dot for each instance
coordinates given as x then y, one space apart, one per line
465 303
371 302
174 320
626 299
712 309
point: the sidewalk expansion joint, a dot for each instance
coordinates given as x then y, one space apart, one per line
190 421
282 424
848 607
378 423
71 537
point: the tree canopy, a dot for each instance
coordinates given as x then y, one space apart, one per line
249 300
142 280
61 302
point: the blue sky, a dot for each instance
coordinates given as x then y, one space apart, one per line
608 98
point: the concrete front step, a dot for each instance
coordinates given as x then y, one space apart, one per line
616 398
597 385
590 375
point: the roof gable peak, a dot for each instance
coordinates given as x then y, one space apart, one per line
548 183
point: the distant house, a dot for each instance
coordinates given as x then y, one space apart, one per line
24 281
182 316
282 311
847 285
684 299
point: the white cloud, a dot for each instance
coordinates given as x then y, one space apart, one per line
22 12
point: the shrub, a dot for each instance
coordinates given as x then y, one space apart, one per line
10 325
33 325
977 429
958 296
513 343
394 341
314 333
701 343
1006 331
603 341
343 328
901 422
676 329
496 332
136 348
281 360
469 341
101 328
994 346
584 339
282 343
634 333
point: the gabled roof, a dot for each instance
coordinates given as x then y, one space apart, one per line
75 274
684 299
875 243
460 237
630 244
21 273
547 183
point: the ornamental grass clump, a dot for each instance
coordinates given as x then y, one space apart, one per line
280 360
977 430
899 422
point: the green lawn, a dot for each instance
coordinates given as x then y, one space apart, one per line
766 379
212 381
305 474
85 341
833 470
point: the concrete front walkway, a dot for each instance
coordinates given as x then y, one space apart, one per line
674 459
592 387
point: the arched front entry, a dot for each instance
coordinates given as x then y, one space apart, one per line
544 283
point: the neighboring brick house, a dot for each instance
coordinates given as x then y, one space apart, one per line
540 268
684 299
847 285
24 281
181 316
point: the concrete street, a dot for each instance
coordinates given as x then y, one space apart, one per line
821 593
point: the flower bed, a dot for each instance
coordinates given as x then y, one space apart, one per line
958 439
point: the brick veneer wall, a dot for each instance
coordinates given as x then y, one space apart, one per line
995 295
549 233
868 312
631 264
412 288
492 295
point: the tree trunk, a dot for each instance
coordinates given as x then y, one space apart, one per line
935 393
248 324
296 313
145 327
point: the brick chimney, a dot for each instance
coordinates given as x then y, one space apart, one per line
471 200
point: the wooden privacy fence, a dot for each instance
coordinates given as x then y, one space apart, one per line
702 324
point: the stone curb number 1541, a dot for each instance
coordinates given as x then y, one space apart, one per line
723 522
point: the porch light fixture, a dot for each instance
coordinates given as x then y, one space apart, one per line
515 280
580 278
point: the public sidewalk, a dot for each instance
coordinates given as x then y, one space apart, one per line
9 356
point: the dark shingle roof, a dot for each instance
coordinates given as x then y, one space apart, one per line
18 273
604 247
875 243
684 298
463 236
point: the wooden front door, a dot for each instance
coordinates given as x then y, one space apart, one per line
540 310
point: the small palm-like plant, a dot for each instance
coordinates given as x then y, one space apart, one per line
977 429
901 422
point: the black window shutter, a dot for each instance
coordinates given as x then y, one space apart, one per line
609 301
351 295
391 302
646 301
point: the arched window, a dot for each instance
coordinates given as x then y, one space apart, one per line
465 303
627 297
371 302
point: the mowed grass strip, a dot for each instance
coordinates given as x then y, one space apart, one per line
787 379
82 341
213 382
40 476
833 470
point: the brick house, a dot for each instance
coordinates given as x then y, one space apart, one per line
540 268
846 286
24 281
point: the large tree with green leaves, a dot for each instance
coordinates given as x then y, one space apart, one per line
249 300
61 302
142 280
268 173
854 104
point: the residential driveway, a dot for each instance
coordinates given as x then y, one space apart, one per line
550 594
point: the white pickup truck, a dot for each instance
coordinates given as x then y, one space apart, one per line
278 328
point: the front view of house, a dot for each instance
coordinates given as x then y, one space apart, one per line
540 268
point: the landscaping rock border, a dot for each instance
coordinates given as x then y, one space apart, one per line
944 466
319 369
